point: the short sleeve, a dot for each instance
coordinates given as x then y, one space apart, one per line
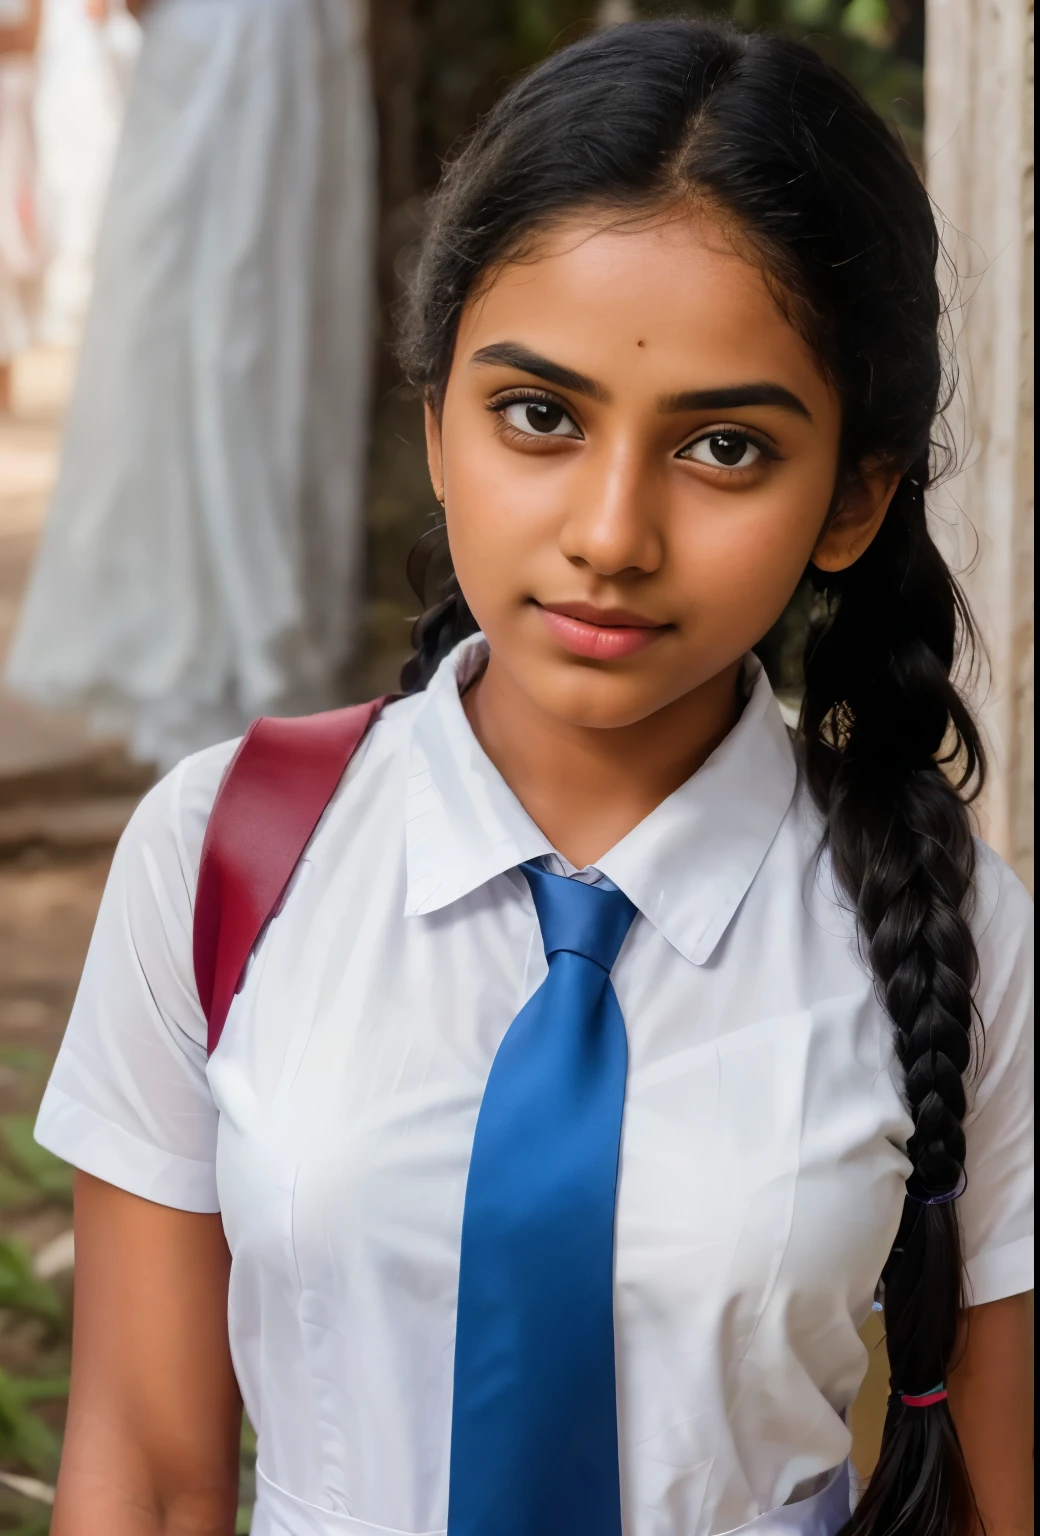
128 1100
996 1209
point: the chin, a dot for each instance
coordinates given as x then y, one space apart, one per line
597 698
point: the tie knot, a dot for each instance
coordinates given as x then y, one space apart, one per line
580 918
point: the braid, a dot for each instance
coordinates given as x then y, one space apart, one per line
879 718
835 212
443 623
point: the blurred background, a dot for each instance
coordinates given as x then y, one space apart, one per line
211 472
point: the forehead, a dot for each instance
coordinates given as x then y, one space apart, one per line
664 304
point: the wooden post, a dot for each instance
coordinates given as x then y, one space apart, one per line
979 159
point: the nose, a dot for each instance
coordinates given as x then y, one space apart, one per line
612 523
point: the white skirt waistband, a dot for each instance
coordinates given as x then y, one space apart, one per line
278 1513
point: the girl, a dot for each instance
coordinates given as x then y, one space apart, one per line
676 325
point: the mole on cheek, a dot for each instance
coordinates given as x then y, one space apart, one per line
640 343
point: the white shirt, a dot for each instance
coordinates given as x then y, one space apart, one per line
763 1155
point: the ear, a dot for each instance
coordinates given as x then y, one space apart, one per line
860 512
434 458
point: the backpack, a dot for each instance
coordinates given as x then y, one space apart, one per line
271 798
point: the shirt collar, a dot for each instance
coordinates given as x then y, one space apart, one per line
687 866
463 825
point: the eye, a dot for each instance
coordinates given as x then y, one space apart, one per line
539 418
723 450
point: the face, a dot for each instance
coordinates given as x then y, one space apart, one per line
637 454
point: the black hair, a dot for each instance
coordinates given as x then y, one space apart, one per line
827 200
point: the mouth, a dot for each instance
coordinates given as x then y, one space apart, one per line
602 634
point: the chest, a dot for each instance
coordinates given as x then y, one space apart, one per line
760 1106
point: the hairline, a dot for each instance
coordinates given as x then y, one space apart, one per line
654 209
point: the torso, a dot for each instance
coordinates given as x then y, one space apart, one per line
763 1151
349 1081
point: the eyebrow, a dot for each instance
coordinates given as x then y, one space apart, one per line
734 396
510 354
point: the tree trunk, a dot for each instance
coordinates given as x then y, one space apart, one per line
979 155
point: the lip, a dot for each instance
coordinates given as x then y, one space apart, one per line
602 634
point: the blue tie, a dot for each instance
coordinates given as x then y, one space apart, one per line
534 1447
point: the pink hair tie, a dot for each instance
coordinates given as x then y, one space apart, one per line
925 1399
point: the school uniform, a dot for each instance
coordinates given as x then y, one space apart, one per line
763 1161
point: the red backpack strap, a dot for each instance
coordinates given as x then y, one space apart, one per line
272 797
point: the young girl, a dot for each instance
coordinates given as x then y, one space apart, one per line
584 923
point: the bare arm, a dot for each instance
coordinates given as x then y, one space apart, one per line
991 1397
151 1447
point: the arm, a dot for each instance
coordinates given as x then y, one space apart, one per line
991 1398
151 1446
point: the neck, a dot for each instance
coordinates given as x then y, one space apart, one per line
587 787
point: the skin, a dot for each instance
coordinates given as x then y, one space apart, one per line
991 1399
615 514
151 1442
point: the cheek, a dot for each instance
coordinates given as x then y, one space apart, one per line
502 520
490 549
741 556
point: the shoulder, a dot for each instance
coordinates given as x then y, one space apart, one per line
165 834
1002 907
1002 924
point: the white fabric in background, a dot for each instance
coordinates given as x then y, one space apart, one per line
81 73
21 249
763 1152
200 561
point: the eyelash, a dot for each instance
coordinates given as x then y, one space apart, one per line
731 429
522 396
